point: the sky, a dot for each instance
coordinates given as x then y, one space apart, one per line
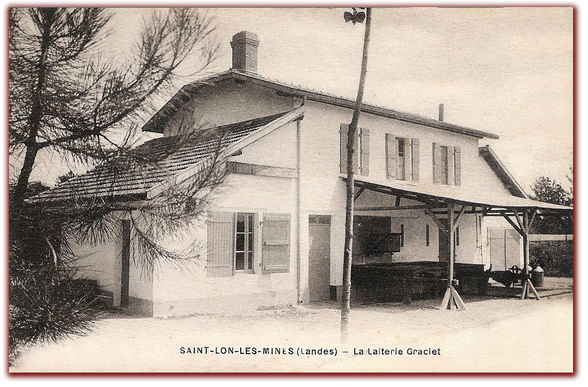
508 71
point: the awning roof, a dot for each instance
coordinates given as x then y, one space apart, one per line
438 194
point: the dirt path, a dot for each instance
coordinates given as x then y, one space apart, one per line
492 335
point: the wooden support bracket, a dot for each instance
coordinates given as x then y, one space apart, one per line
436 220
358 193
452 298
528 285
517 228
458 216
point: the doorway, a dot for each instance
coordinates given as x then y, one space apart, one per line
319 256
443 243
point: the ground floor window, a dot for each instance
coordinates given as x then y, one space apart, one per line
231 240
244 242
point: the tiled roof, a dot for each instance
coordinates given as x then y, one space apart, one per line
151 163
159 120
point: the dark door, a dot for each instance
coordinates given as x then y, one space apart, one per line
319 254
125 263
443 244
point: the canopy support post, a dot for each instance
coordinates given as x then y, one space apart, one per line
525 224
451 296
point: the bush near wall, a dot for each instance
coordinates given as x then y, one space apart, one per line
555 257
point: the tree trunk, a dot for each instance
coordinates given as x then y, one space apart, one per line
351 138
35 116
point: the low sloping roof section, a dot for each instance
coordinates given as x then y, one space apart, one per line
439 194
159 120
501 171
169 160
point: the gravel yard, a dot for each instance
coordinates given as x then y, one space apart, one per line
496 333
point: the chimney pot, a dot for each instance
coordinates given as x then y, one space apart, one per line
441 111
244 45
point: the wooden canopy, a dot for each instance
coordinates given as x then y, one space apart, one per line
453 203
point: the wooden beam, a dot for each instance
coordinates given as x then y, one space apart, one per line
456 220
398 198
451 229
532 219
394 208
521 225
358 194
509 220
436 220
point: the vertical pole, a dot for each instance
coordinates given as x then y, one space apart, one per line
351 134
298 215
526 241
451 227
450 224
125 264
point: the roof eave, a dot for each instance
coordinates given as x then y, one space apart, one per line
157 122
499 168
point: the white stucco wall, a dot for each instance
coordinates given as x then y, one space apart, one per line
229 102
186 290
323 190
102 262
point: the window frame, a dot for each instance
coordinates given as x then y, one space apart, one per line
401 158
249 235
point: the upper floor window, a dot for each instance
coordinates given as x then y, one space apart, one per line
446 164
402 158
401 161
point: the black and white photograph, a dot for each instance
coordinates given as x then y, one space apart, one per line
291 190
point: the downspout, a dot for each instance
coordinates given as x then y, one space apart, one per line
298 212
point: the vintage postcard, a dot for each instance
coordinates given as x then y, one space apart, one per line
198 190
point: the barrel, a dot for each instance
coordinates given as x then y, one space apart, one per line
537 276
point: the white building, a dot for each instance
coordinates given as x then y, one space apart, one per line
274 233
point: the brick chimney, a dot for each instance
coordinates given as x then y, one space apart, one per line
244 46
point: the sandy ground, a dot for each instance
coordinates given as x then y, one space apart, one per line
494 334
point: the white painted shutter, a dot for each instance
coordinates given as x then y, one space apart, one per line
276 243
365 151
343 151
436 163
220 237
390 156
450 164
415 156
457 164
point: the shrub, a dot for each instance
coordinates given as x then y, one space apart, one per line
46 304
555 257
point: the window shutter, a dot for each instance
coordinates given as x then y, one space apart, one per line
390 156
436 163
365 151
450 164
407 159
343 131
415 158
457 164
220 237
276 243
343 141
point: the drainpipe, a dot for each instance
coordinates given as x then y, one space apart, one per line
298 212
